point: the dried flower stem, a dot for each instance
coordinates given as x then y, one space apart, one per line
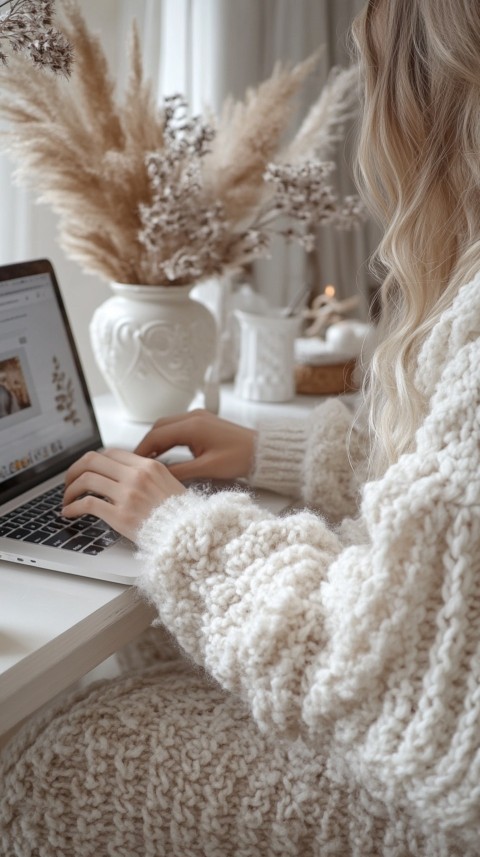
27 26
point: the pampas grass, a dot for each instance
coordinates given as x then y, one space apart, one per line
324 124
248 137
99 162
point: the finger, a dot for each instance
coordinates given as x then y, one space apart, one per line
124 458
94 462
91 483
162 438
113 463
96 506
205 466
129 463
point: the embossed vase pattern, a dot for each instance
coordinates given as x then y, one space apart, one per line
266 366
154 346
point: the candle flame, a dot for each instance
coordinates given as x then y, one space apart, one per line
330 291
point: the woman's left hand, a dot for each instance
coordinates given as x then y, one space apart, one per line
118 486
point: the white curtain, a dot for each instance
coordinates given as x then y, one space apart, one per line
205 49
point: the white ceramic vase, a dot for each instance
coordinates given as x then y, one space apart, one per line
266 371
155 346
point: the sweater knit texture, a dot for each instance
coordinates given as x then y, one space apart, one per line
312 687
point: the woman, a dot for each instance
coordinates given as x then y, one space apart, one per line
326 700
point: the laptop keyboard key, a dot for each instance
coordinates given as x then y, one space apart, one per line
59 539
107 539
49 528
47 519
79 524
93 550
77 544
19 534
20 520
63 520
52 522
93 533
102 525
37 538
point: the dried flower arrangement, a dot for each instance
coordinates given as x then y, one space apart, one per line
27 26
147 194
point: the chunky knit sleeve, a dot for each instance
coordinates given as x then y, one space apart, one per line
372 650
320 459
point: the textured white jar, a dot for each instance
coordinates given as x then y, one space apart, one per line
266 370
155 346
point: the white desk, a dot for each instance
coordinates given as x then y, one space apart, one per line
54 628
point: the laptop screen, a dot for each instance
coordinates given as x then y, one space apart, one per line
46 415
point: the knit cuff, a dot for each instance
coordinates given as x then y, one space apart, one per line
279 457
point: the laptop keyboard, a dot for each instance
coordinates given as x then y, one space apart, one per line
40 521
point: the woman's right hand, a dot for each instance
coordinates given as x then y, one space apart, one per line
220 449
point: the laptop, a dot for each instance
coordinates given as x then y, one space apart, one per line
47 422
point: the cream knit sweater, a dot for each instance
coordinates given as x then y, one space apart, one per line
329 703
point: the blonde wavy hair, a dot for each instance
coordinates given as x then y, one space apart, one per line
418 166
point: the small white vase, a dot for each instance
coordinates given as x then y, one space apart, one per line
266 371
155 346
